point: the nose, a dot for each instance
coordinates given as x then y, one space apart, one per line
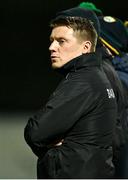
53 46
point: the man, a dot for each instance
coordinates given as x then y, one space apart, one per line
72 135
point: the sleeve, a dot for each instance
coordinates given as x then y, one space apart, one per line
57 117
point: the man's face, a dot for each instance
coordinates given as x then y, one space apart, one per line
64 46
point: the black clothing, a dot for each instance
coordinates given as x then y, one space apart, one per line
82 111
115 81
83 13
114 34
119 139
120 63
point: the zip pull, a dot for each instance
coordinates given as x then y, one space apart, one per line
67 76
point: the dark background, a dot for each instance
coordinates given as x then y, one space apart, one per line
26 79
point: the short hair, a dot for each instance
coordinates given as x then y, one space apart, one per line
82 27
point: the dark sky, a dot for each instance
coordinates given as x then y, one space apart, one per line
26 79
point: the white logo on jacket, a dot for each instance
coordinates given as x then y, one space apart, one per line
110 93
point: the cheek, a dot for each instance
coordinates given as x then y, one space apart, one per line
68 53
72 51
69 50
65 52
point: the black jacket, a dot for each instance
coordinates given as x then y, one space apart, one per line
82 111
119 139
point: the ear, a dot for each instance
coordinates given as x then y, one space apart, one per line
87 47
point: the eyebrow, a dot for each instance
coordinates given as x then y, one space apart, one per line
57 38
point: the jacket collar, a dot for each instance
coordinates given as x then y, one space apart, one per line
104 53
84 60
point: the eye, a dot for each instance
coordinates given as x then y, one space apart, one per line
61 41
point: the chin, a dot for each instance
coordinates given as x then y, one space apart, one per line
55 66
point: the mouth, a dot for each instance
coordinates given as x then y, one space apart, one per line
54 58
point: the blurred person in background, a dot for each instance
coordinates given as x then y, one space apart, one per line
114 36
91 6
